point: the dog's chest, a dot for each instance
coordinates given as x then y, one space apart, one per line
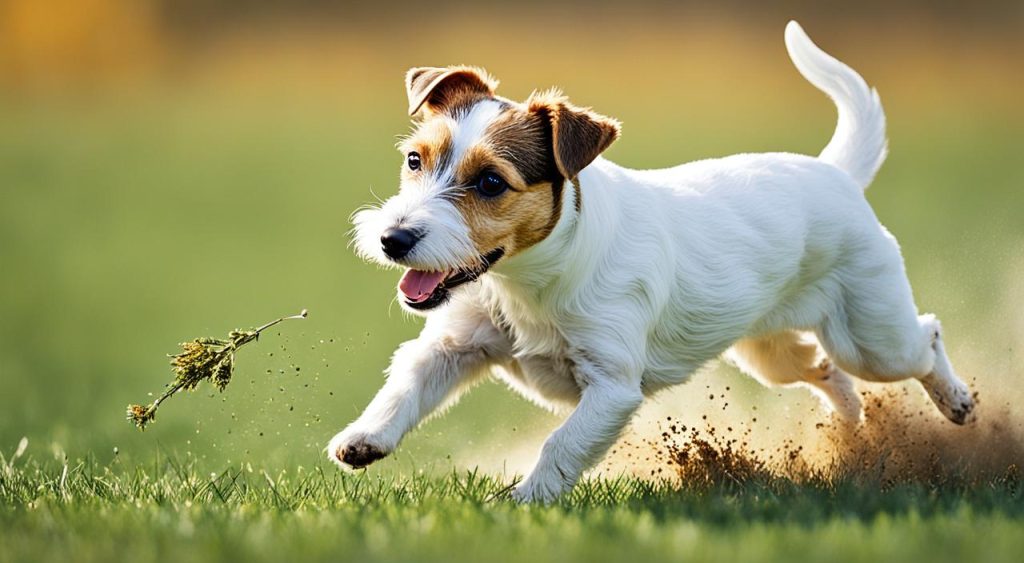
544 361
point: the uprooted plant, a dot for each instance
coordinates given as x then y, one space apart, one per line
201 359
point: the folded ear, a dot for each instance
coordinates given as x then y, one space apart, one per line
578 135
436 88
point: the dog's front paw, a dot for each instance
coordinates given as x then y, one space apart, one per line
360 454
542 487
355 451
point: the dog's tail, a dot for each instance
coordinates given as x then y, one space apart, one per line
858 145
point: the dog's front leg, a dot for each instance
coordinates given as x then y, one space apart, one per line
425 373
603 411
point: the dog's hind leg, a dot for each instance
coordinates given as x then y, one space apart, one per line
793 358
922 357
947 391
876 335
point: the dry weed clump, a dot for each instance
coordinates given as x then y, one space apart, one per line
202 359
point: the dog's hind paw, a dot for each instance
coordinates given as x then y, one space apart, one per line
952 397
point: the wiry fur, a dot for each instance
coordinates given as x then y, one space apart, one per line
776 259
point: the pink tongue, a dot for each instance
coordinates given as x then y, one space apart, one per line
418 285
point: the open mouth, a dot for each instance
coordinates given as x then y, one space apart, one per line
425 290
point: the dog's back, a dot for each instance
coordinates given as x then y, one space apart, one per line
754 243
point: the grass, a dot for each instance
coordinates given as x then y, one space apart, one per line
166 510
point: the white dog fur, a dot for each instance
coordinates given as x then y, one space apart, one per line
775 260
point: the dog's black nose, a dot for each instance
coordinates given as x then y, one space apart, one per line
398 242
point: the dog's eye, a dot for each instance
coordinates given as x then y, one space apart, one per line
413 161
490 184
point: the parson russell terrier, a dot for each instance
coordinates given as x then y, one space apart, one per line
587 286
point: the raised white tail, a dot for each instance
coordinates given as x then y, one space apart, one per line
858 145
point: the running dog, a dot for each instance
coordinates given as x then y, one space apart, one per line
587 286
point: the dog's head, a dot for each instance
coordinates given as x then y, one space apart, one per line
482 179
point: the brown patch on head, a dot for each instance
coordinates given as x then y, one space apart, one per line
447 89
517 146
534 147
523 137
514 221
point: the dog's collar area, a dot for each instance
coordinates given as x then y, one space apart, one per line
442 292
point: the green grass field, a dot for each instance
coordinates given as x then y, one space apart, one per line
168 511
140 215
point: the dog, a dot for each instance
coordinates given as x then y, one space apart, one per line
587 286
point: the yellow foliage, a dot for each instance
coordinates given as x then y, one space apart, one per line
45 39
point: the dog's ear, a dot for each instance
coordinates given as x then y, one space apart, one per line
435 88
578 135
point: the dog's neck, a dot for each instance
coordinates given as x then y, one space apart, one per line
558 263
535 268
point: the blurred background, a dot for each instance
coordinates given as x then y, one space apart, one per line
177 168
